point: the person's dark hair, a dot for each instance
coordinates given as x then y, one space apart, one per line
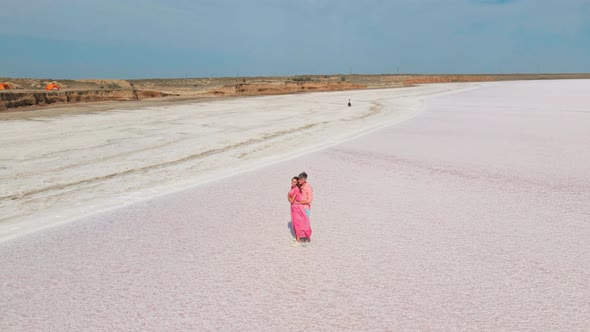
303 175
297 184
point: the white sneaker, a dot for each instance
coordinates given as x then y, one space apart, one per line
294 243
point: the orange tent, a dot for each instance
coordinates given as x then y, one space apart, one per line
52 86
4 86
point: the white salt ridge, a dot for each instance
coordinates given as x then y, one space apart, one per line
472 216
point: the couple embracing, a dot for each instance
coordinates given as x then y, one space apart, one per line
300 196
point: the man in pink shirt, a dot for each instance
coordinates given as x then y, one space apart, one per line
306 198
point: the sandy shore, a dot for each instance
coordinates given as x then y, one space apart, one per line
56 166
473 215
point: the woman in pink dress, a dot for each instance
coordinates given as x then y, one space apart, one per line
299 219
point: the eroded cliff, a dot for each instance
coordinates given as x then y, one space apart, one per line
15 99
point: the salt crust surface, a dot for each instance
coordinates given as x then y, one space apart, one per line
473 215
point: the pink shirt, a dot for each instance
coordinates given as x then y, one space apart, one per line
307 195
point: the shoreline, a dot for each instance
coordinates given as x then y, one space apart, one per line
89 91
28 112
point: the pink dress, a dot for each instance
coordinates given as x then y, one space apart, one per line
299 219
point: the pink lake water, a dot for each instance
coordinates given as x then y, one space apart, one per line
474 215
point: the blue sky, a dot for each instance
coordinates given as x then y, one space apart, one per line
195 38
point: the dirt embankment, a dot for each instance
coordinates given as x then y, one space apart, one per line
29 92
254 89
33 98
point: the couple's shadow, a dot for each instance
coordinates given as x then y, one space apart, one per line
290 226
